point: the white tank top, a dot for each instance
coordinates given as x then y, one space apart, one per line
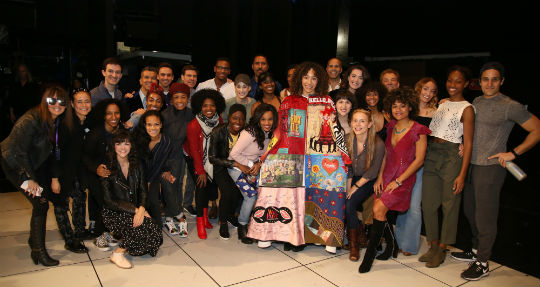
446 123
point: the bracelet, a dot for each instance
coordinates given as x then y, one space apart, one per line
515 153
356 185
398 183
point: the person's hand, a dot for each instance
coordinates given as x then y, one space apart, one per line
168 177
459 184
460 153
138 218
378 186
146 214
201 180
128 125
503 157
351 191
139 112
391 186
254 170
129 95
33 188
103 171
55 186
243 168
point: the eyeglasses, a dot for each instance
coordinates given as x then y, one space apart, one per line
53 101
79 90
223 68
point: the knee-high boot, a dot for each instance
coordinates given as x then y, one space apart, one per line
37 237
391 243
375 236
64 226
78 210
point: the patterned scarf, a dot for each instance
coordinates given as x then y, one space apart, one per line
207 124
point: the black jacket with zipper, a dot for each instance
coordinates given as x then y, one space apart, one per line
125 194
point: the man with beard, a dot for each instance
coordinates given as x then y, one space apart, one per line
220 82
259 66
334 69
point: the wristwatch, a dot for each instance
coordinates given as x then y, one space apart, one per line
515 153
398 183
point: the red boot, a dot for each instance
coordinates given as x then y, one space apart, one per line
201 231
206 221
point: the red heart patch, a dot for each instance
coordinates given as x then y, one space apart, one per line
330 165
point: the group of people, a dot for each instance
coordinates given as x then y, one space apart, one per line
291 165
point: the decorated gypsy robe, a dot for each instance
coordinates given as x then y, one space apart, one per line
303 177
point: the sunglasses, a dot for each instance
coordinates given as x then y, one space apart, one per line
53 101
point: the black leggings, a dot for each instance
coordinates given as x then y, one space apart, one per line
230 195
202 195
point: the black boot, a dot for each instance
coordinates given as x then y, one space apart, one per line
391 243
64 226
37 235
374 239
245 239
78 211
242 230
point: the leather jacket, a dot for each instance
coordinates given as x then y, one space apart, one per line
27 147
218 152
121 194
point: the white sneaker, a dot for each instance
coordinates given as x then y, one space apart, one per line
101 242
182 226
264 244
111 241
171 227
331 249
120 260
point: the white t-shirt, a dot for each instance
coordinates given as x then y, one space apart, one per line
227 89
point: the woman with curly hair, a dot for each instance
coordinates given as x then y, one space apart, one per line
207 105
124 197
266 92
246 152
409 223
406 144
308 138
445 171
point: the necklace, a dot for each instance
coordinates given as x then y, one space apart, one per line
398 132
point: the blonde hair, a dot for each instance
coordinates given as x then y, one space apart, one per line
371 138
418 90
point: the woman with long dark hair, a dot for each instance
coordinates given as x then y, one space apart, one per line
124 197
246 153
207 105
266 92
27 154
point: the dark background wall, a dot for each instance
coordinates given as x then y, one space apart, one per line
59 38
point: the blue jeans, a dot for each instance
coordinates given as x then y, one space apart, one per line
364 192
247 203
409 223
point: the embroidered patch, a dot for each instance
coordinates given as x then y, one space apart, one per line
272 214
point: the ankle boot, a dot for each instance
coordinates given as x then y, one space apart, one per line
37 235
362 238
374 239
354 254
64 226
429 254
437 258
391 244
201 231
242 230
207 223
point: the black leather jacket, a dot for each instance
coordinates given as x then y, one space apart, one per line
218 153
121 194
27 147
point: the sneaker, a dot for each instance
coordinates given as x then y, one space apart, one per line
475 271
182 228
120 260
264 244
224 231
101 242
110 239
191 211
171 227
466 256
331 249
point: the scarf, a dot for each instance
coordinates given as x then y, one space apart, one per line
207 124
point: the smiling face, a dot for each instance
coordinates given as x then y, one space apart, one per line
266 122
333 68
154 102
259 66
390 81
222 70
112 116
356 79
242 90
343 107
456 84
208 108
112 74
56 109
179 101
146 80
372 99
268 86
429 90
237 120
360 123
290 76
491 82
82 104
153 126
309 83
122 149
400 110
165 77
189 78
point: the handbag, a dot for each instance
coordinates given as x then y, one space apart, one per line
248 184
